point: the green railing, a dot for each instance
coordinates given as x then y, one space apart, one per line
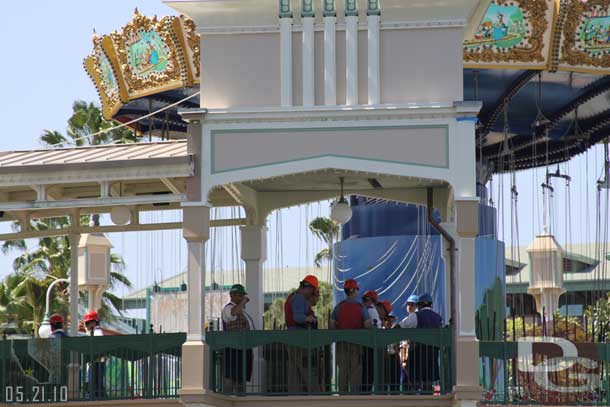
545 370
91 368
322 362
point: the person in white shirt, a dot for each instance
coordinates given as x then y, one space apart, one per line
236 319
369 300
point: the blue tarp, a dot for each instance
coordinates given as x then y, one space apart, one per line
395 267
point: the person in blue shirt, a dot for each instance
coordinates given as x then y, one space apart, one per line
299 314
424 357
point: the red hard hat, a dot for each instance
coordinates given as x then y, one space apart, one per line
56 319
351 283
372 294
91 316
312 281
387 305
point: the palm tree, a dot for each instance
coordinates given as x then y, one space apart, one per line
35 269
84 124
326 230
22 293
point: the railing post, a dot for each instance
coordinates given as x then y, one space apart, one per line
375 387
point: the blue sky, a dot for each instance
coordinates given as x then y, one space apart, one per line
44 44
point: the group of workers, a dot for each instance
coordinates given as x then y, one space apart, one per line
96 371
413 365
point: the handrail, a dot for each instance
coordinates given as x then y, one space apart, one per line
366 337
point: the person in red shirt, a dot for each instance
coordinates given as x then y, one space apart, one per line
350 314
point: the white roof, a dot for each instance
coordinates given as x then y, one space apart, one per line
92 154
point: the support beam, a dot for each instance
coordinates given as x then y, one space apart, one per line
105 189
137 227
172 185
92 202
254 254
195 356
74 239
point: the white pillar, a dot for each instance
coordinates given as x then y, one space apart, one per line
195 288
330 60
463 150
308 62
374 91
351 50
467 390
286 60
254 254
196 231
74 239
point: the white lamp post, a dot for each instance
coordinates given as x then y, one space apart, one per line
340 211
44 331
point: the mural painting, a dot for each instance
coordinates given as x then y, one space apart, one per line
108 78
594 33
503 26
147 52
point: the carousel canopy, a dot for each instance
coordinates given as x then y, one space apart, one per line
539 67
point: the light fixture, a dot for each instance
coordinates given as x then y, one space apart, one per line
120 215
44 330
340 211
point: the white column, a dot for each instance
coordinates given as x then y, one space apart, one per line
74 239
254 254
374 92
195 288
467 390
308 62
351 50
196 231
286 60
330 61
463 151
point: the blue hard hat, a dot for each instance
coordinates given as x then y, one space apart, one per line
413 298
426 299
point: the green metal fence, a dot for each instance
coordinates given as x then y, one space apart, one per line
91 368
545 370
312 362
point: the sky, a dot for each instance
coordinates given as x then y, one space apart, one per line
40 78
42 75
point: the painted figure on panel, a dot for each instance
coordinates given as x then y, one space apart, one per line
148 53
107 73
594 33
502 26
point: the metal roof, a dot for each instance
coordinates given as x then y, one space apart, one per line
93 154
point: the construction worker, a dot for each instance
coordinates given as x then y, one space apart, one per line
299 314
57 326
297 308
408 368
392 368
96 371
370 300
425 357
236 319
350 314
